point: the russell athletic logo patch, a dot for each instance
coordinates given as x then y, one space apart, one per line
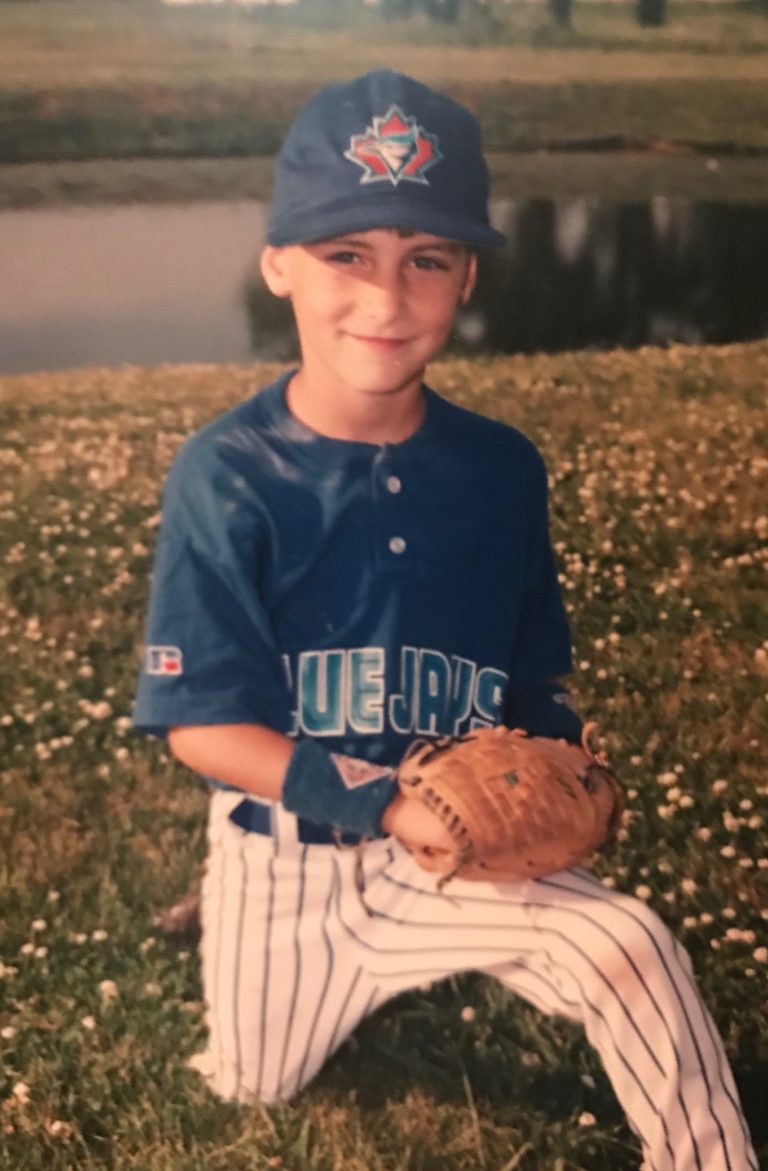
394 149
163 660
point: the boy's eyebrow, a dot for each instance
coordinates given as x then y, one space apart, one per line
452 246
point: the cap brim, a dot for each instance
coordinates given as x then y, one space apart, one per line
341 219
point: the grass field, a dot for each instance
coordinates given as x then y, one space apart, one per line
659 488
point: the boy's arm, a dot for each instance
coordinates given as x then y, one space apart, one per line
256 759
251 757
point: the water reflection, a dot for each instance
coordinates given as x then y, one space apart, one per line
151 284
581 273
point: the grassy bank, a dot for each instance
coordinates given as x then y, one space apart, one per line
538 175
659 482
81 79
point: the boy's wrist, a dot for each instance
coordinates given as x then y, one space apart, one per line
319 787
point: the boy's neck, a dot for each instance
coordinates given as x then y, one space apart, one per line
389 417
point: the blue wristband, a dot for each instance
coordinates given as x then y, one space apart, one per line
315 788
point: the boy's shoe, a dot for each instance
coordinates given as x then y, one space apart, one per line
181 922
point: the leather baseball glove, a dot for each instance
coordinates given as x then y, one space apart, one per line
516 806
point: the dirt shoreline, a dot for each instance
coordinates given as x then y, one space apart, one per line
621 175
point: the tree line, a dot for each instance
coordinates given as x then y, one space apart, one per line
649 13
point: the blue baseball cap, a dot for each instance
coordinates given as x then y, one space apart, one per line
381 151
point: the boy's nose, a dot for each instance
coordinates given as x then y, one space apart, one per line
383 299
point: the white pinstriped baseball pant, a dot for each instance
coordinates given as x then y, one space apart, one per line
292 963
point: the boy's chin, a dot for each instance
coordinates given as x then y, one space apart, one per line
383 378
383 387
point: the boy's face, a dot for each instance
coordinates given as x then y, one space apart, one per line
372 308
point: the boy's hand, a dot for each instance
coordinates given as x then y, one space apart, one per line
410 821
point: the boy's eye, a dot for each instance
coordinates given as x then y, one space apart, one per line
430 264
343 256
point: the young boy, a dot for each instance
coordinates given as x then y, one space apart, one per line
347 562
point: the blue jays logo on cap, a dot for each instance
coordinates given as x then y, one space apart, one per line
394 148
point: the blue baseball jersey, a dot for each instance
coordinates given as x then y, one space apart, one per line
357 593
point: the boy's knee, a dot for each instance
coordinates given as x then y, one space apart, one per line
642 937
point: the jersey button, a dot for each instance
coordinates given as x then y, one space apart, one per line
397 544
394 484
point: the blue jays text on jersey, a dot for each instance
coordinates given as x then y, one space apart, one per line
357 592
341 692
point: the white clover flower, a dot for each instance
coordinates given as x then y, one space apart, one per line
706 918
21 1093
586 1119
761 955
467 1013
79 937
108 991
704 833
41 953
99 935
89 1023
728 852
39 924
690 921
8 1033
27 949
152 988
719 786
643 892
59 1129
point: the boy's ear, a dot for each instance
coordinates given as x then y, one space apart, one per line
470 279
275 270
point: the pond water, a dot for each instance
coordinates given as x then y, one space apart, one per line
170 283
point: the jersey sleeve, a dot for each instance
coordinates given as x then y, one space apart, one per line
543 642
210 656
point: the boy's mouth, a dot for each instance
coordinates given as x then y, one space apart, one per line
380 343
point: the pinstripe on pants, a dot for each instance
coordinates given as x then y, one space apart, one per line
292 962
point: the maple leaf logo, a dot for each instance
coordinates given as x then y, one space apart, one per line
394 148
